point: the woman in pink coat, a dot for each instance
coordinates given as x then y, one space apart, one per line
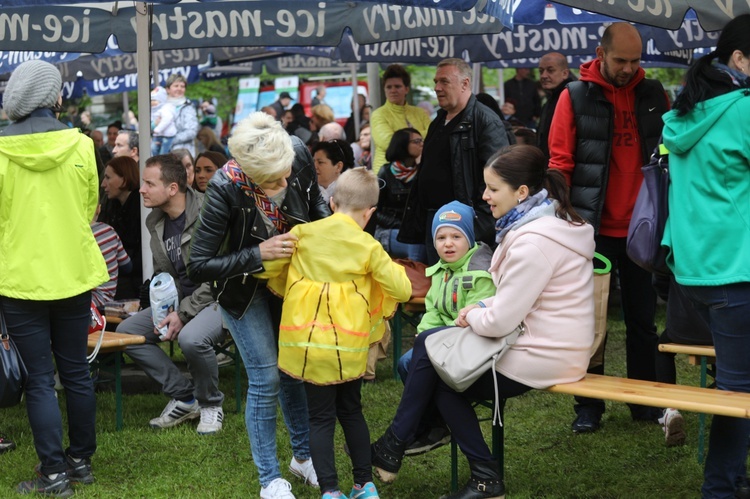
543 271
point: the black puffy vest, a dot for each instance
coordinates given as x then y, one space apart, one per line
594 130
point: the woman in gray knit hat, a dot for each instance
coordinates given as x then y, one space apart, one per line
49 263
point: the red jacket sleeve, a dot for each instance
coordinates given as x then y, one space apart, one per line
562 137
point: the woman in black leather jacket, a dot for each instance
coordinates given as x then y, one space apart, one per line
249 207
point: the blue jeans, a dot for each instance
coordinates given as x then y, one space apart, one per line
403 365
255 337
726 310
396 249
40 330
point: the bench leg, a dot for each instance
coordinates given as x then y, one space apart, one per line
396 339
118 392
498 441
454 466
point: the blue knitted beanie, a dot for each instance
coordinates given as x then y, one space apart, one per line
456 215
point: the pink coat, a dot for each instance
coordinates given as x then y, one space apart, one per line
544 276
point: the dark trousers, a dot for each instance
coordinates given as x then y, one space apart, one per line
326 404
423 383
638 300
40 330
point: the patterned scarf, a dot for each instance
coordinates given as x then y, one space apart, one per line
527 207
266 204
739 79
402 172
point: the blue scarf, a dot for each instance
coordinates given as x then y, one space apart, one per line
514 216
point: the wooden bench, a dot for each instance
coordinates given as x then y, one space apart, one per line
698 355
114 343
650 393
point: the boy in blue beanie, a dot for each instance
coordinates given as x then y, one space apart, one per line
460 278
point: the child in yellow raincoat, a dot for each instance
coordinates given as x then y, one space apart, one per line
339 286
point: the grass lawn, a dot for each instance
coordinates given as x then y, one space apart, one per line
543 457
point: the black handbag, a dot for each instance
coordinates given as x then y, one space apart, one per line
650 216
12 370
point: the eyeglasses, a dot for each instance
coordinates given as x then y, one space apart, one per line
417 141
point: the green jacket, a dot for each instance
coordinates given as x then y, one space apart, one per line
49 189
456 285
201 297
708 229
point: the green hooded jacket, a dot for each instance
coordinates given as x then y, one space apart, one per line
708 229
48 196
457 285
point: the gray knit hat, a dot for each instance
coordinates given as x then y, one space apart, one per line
33 85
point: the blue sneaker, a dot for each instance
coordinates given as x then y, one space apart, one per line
334 494
366 491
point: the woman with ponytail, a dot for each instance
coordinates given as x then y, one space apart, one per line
544 276
708 229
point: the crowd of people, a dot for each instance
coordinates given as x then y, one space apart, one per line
285 239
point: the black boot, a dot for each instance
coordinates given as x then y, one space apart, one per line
387 453
484 483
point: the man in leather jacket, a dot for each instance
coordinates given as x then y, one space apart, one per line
462 137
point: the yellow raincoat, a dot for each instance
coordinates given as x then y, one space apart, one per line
339 286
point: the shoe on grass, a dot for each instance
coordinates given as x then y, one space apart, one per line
6 445
305 471
277 489
223 359
435 437
79 471
334 494
59 486
366 491
673 425
586 422
212 419
176 412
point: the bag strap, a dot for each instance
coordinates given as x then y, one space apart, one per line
607 264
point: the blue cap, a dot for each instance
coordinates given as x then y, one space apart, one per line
456 215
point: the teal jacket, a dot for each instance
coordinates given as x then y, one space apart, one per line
49 190
456 285
708 229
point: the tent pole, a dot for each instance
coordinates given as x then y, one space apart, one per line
355 102
144 119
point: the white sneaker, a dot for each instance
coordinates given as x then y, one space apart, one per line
174 413
305 471
674 427
223 359
277 489
211 420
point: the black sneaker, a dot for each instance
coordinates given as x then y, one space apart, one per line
586 422
435 437
6 445
80 472
55 487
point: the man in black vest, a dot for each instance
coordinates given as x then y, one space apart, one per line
603 131
553 76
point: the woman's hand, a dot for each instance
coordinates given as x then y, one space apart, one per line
280 246
461 320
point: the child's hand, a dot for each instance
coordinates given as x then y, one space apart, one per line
461 319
